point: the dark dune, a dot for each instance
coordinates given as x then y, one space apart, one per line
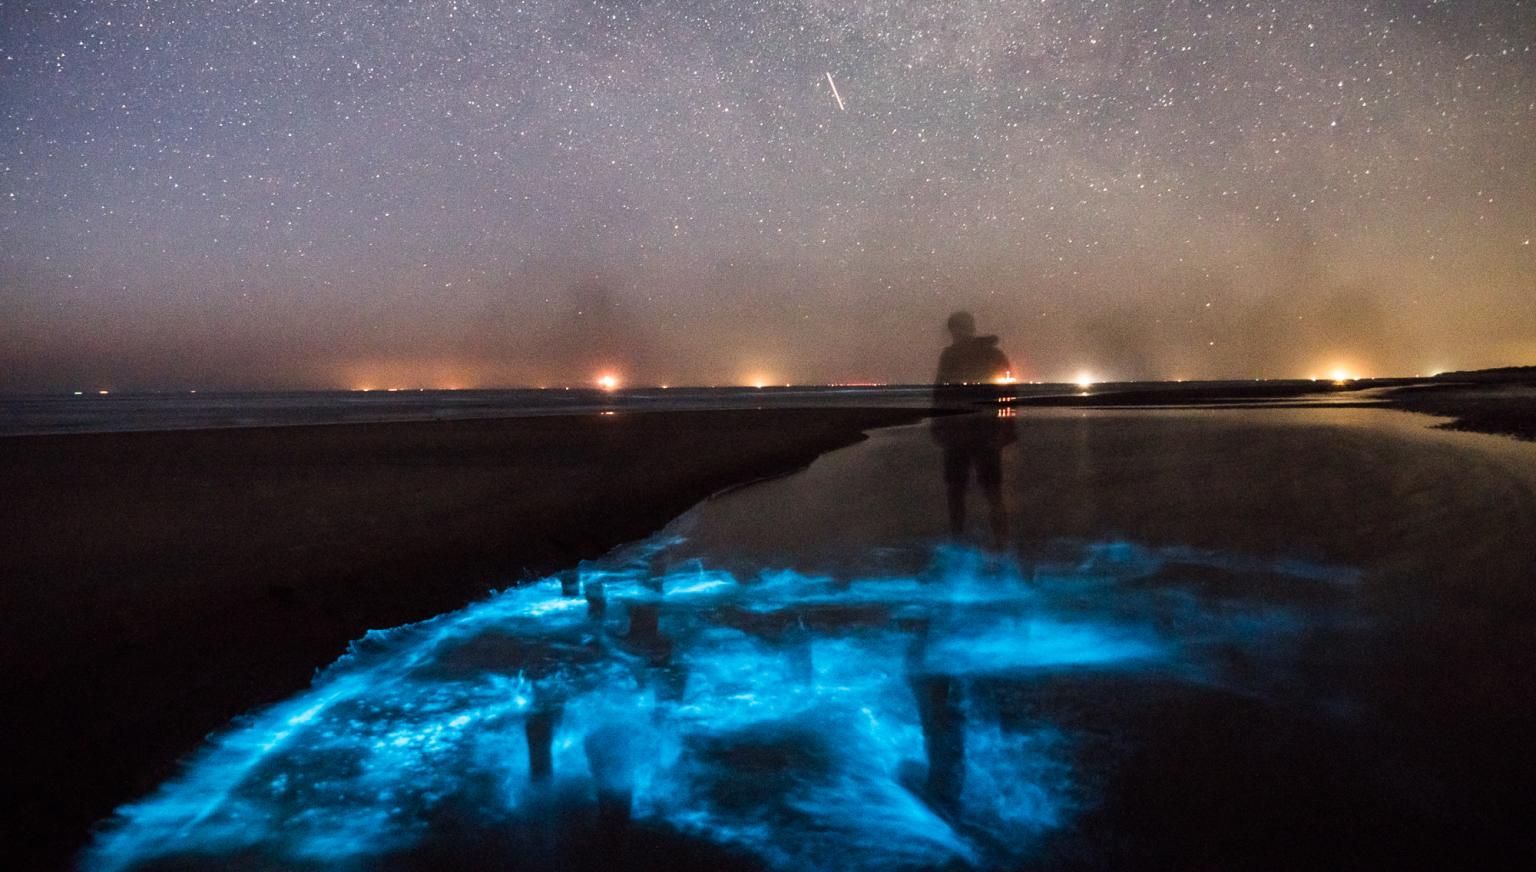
1506 406
158 584
1246 394
1501 402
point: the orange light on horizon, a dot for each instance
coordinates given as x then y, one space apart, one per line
1084 380
608 381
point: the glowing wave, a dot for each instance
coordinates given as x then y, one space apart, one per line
795 720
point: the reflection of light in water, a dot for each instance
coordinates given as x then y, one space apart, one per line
773 714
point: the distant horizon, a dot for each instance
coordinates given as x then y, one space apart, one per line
595 388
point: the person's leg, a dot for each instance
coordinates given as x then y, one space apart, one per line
942 717
957 473
989 474
540 731
609 757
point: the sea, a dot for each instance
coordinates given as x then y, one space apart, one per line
119 412
92 412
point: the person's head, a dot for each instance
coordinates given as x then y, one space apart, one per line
961 326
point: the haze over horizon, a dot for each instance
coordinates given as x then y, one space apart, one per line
341 193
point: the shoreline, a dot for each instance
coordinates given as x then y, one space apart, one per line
166 582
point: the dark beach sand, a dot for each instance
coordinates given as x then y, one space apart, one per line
158 584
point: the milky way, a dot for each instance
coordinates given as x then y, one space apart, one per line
316 194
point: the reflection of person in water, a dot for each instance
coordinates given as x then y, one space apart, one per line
611 748
971 369
940 702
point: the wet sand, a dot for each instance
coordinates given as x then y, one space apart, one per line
1391 729
158 584
1288 638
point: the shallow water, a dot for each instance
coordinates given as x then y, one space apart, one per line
1210 639
93 412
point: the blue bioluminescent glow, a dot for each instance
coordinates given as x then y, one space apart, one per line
798 720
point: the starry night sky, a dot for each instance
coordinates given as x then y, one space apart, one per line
321 193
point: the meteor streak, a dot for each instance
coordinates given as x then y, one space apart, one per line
836 95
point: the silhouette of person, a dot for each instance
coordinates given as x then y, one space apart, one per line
971 370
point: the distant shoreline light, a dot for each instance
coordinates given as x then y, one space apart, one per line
609 382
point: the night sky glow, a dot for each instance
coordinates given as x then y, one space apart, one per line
779 715
324 193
